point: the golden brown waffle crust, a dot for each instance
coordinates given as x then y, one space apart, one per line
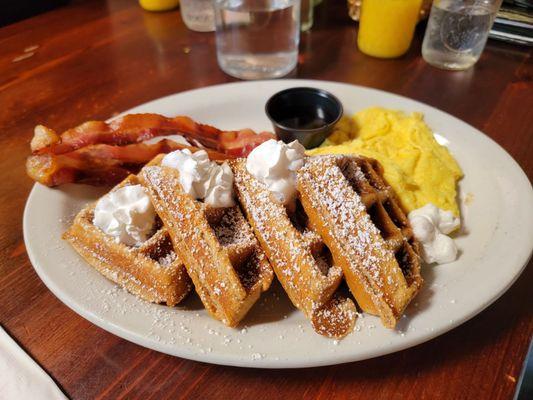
222 256
292 253
351 206
152 271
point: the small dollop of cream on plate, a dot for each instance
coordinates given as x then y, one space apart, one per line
431 226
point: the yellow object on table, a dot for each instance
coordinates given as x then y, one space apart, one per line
159 5
386 27
419 169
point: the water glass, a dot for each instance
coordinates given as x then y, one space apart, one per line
198 15
457 32
257 39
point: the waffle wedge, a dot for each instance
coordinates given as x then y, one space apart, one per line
298 255
152 271
227 266
358 216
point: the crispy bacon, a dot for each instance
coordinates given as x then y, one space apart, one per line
241 143
135 128
100 164
97 152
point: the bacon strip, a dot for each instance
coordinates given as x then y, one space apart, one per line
100 164
98 152
135 128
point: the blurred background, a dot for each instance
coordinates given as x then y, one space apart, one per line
17 10
514 22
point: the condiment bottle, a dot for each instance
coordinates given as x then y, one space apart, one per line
386 27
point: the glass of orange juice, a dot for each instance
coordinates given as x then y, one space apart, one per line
386 27
158 5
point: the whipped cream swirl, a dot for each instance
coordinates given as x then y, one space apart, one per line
126 214
275 163
202 178
431 225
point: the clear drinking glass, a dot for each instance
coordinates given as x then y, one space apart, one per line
257 39
457 32
198 15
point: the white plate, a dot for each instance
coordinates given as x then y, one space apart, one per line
498 218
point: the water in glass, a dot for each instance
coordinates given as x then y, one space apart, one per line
457 32
198 15
257 39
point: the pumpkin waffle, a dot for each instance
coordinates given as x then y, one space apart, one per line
358 215
227 266
152 271
298 255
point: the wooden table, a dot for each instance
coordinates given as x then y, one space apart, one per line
95 59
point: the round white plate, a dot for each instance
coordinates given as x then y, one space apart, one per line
497 241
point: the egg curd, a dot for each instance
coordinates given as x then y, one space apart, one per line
420 170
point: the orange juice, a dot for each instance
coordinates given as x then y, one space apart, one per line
386 27
158 5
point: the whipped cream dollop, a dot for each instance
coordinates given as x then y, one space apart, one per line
275 163
126 214
431 225
202 178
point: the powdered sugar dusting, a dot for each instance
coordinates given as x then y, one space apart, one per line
225 261
291 246
151 271
343 190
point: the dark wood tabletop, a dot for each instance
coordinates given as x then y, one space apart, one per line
92 59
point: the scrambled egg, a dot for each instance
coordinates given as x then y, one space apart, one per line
419 169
